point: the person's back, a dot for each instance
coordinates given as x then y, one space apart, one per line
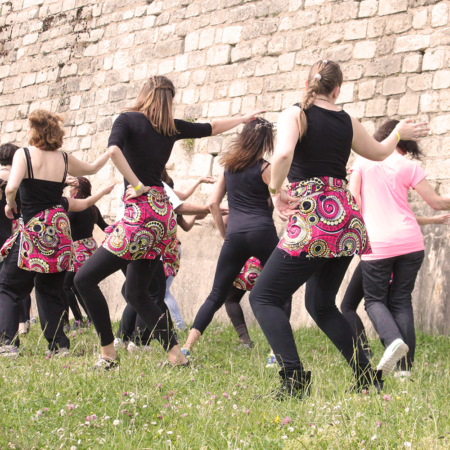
248 199
392 226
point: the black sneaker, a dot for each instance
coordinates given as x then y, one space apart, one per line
367 379
106 364
296 386
246 346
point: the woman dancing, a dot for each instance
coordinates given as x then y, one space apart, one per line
82 228
327 229
140 145
41 251
381 188
250 230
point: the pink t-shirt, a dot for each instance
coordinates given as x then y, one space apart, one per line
392 228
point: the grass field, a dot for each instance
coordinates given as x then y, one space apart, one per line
63 404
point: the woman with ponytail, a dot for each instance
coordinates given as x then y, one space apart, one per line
82 228
250 231
326 228
140 145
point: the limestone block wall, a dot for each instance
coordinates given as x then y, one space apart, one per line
88 59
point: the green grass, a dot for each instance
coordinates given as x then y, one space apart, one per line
45 402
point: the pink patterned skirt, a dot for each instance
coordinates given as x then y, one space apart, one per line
84 249
148 226
248 275
171 258
45 242
328 224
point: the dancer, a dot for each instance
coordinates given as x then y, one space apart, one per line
82 228
381 188
250 230
140 144
40 252
327 229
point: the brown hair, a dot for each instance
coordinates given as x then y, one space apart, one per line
323 78
46 131
155 101
250 146
84 190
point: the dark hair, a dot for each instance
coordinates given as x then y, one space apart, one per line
7 152
166 178
155 101
323 78
46 132
410 147
250 146
84 190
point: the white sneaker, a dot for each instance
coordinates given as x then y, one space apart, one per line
402 374
132 347
272 361
117 343
8 351
62 352
394 353
23 328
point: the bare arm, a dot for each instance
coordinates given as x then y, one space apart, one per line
355 187
443 219
17 174
431 197
366 146
223 125
76 204
185 195
191 209
214 204
186 224
78 168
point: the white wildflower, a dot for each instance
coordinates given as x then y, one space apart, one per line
116 422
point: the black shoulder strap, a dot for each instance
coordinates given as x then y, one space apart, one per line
66 166
29 166
267 165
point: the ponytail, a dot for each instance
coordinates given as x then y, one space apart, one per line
323 78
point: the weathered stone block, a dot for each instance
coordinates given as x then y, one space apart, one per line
219 109
368 8
412 43
392 6
347 93
356 29
440 124
364 50
304 19
168 49
191 42
420 82
429 102
339 53
286 62
356 110
345 11
439 15
293 42
412 63
376 107
399 23
396 85
433 59
266 66
238 88
383 67
366 89
232 35
206 38
408 105
218 55
242 13
276 46
241 52
441 79
420 18
376 27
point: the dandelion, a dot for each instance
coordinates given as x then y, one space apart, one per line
277 419
116 422
387 398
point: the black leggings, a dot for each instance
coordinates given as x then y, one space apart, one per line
352 298
71 298
236 250
234 309
132 327
15 285
281 278
25 306
139 274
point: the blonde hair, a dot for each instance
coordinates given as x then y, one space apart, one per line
46 131
323 78
155 101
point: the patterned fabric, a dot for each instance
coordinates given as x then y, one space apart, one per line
249 274
84 249
148 226
45 242
171 258
328 224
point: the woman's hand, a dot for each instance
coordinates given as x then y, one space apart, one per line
9 209
208 180
443 219
251 116
410 131
224 209
132 193
107 190
285 205
71 181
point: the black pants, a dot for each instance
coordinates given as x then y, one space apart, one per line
25 306
139 275
281 277
352 298
132 327
71 297
15 285
234 309
236 250
390 307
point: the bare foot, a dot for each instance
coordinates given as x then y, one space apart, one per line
194 336
108 352
176 357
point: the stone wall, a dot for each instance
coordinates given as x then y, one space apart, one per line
88 60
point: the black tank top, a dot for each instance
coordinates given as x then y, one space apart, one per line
38 195
325 147
248 200
82 223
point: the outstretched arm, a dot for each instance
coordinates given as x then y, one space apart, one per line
78 168
223 125
214 204
443 219
17 174
77 205
431 197
185 195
